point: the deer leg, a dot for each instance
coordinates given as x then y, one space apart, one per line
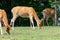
43 23
12 21
44 16
1 27
30 24
47 21
31 21
54 21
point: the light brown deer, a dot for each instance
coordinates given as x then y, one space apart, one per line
3 18
47 13
28 12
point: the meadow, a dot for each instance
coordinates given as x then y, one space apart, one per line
27 33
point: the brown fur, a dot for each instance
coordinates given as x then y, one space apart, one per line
23 11
3 18
48 12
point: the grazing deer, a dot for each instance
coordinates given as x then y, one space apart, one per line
48 12
23 11
3 18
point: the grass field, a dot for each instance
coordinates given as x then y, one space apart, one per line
27 33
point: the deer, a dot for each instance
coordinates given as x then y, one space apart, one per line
3 18
49 12
26 12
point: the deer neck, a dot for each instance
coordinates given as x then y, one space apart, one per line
36 18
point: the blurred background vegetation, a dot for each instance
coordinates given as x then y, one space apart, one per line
38 5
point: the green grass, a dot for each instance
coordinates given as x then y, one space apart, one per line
27 33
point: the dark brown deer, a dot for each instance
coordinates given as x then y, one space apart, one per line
47 13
